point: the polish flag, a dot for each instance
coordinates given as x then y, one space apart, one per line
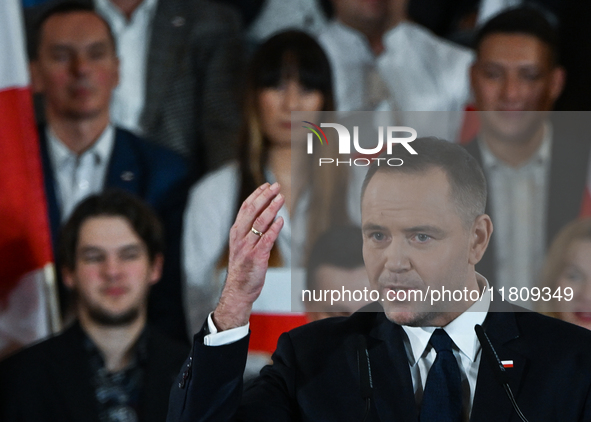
27 284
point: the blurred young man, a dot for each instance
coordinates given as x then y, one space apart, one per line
536 166
109 365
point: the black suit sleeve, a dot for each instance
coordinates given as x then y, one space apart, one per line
210 388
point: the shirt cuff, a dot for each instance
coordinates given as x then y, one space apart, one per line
215 338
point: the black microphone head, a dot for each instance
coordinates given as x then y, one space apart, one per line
491 355
365 380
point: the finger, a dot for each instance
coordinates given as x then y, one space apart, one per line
252 207
238 228
266 218
266 242
257 192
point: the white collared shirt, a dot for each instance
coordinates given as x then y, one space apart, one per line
133 40
466 351
79 176
519 202
280 15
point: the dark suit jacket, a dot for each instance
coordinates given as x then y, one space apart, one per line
568 177
159 177
194 68
50 382
315 375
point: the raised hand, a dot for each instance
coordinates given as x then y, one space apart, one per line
251 239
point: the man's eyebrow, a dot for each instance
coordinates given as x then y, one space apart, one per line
372 226
425 229
59 47
65 46
90 249
130 248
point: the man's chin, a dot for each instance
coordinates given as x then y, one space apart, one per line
113 319
406 315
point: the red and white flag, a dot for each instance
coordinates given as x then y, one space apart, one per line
25 247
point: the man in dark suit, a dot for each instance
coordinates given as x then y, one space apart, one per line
180 74
109 365
75 68
424 229
535 164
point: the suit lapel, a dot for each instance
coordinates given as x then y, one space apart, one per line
490 399
393 393
73 375
124 170
170 31
49 183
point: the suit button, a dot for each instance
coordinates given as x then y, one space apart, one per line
186 374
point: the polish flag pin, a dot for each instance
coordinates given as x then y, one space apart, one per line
507 363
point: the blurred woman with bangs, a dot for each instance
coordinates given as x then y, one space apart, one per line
289 72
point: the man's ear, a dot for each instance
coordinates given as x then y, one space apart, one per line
36 80
118 73
480 236
558 81
156 268
68 277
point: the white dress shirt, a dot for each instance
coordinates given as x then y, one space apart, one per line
133 40
281 15
490 8
519 203
79 176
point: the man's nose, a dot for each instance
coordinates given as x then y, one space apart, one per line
112 268
512 88
397 259
80 65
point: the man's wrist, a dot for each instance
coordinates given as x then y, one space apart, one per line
231 314
214 338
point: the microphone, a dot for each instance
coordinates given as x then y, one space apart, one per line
365 380
497 367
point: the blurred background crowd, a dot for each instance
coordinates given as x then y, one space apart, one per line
156 119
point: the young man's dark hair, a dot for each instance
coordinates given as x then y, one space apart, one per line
340 247
43 15
525 20
465 176
112 203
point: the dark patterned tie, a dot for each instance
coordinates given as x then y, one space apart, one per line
442 398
